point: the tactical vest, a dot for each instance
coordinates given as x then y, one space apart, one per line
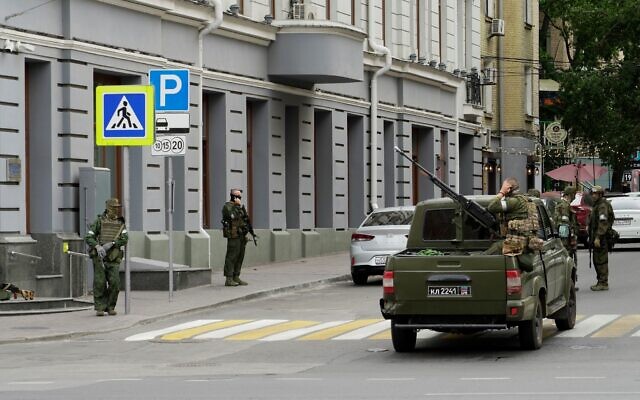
522 233
110 229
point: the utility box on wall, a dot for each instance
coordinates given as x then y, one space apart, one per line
95 190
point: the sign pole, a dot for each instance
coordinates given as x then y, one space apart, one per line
170 188
127 269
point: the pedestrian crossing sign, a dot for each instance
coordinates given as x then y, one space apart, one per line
124 115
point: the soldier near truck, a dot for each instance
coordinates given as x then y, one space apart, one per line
600 222
567 221
106 238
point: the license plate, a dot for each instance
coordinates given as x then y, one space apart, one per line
449 291
622 222
380 260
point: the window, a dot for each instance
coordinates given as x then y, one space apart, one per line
488 8
528 91
397 217
527 12
487 90
439 225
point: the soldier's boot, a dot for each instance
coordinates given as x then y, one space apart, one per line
230 282
100 313
599 287
239 281
112 312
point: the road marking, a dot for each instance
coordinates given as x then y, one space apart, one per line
365 332
152 334
520 394
422 334
497 378
581 377
620 327
121 380
198 330
338 330
589 325
292 334
222 333
391 379
271 330
299 379
30 383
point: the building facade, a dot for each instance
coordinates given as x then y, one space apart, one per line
282 98
510 58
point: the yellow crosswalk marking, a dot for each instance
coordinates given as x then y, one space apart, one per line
619 327
382 335
189 333
338 330
270 330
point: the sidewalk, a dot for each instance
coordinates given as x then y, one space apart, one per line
148 306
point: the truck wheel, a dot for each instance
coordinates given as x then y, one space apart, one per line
530 332
568 312
359 278
404 340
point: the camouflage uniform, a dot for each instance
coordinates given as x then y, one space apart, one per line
512 210
567 223
107 234
234 228
600 221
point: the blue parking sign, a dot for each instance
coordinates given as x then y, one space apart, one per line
171 89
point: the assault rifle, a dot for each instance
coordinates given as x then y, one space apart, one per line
473 209
250 227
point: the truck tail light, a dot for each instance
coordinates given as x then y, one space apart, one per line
361 237
514 283
387 282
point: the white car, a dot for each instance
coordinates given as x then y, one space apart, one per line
627 218
382 233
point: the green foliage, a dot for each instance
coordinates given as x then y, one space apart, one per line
600 90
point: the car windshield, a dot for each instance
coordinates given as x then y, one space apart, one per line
625 204
395 217
440 225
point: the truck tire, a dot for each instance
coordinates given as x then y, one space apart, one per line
359 278
404 340
568 320
530 332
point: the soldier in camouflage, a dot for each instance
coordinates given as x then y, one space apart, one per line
106 238
567 221
600 221
235 227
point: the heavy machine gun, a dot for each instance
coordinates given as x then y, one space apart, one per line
473 209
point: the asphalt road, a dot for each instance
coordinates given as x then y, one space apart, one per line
283 357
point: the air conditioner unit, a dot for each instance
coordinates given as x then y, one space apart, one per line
497 27
297 11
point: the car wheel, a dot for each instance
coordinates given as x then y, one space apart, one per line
404 340
359 278
568 312
530 332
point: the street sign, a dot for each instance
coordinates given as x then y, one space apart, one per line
169 145
124 115
172 123
172 89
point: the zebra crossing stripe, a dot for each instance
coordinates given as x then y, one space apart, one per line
152 334
620 327
338 330
589 325
294 333
223 333
271 330
366 331
198 330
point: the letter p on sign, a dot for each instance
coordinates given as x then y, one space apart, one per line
171 88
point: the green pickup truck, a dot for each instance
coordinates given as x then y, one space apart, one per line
447 280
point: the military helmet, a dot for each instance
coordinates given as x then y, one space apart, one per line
112 203
597 189
533 192
569 191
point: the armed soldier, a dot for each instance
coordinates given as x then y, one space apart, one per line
567 221
519 221
8 289
106 238
235 227
600 222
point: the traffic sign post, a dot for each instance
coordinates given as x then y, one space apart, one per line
124 115
171 117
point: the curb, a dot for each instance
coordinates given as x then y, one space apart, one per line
150 320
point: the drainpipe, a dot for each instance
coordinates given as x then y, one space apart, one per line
501 75
373 152
211 25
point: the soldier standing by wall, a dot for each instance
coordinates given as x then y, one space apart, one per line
106 238
600 222
235 227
